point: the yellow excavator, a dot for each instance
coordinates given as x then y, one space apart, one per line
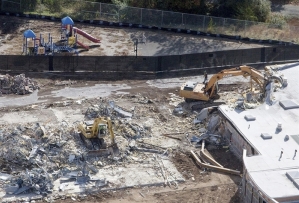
207 92
93 133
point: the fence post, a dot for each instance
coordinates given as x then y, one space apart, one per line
245 28
182 20
162 19
263 54
141 17
118 14
203 24
100 11
223 26
51 63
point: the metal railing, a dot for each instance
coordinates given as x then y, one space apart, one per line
86 10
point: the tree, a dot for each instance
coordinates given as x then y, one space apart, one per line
254 10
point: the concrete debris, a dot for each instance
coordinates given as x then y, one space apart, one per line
269 94
72 158
119 111
36 180
65 83
202 115
213 123
175 100
4 176
18 84
178 111
209 138
57 160
250 105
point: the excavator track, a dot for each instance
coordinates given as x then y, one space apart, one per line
87 142
198 105
111 150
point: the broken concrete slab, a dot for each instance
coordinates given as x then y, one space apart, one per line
4 176
203 114
131 175
120 112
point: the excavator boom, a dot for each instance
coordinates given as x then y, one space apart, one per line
206 91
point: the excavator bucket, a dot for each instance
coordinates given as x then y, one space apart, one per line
111 150
114 149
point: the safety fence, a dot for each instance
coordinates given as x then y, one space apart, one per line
99 12
130 67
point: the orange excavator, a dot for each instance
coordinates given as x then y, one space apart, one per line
205 93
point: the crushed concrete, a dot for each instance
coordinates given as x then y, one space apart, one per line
49 158
18 84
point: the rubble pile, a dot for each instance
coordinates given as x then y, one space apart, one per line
46 153
210 128
18 84
36 180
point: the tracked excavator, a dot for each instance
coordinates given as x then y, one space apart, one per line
93 133
202 95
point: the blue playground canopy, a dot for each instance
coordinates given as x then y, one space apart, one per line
67 21
29 34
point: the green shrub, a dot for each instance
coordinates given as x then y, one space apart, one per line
54 6
253 10
277 19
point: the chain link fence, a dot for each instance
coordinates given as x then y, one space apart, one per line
93 11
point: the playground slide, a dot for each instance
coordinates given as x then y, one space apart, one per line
86 35
83 45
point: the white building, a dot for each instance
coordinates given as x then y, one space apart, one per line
271 164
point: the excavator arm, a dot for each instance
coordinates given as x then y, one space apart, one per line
112 136
242 70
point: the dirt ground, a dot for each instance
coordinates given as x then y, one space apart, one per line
115 41
153 103
201 185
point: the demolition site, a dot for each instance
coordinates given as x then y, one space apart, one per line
221 136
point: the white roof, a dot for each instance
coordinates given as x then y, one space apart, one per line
266 169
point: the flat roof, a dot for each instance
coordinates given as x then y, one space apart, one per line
267 169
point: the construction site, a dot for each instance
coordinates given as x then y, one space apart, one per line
227 134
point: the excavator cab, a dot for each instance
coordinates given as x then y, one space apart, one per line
189 86
102 130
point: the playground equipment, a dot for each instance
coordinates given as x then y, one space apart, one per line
68 41
69 33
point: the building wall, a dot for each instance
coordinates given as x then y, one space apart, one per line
236 141
241 148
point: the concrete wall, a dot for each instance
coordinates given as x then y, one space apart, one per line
237 142
131 67
24 63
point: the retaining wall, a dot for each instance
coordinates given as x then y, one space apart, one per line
131 67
